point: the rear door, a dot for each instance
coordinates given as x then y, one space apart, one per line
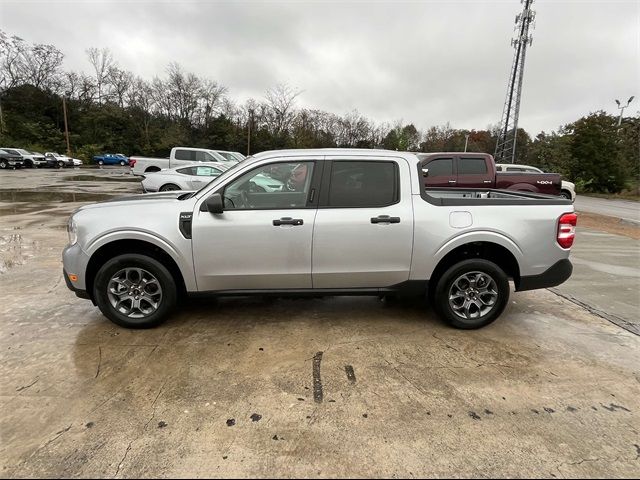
364 226
473 172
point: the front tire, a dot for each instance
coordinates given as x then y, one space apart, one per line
123 163
135 291
471 294
169 187
100 162
4 164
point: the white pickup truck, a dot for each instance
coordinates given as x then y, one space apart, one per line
181 156
349 222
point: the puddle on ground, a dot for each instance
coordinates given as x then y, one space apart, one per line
48 197
94 178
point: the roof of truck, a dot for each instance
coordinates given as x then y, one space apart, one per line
333 151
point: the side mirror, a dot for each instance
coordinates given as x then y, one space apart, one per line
214 204
425 172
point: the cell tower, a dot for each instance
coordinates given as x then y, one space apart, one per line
506 145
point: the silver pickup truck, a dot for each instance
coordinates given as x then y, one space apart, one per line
341 222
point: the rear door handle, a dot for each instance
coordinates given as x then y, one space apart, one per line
452 181
486 181
385 219
288 221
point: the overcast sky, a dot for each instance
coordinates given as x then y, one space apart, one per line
425 62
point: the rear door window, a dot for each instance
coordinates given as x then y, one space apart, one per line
185 155
472 166
363 184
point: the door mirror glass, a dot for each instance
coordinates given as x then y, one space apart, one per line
214 204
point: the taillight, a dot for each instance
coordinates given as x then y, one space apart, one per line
567 229
132 162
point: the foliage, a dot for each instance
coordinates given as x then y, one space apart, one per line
111 110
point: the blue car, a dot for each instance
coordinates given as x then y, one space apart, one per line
111 159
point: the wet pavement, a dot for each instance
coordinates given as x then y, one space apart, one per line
332 387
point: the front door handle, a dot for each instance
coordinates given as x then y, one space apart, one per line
486 181
452 181
288 221
385 219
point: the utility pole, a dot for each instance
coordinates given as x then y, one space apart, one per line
506 144
66 127
466 141
622 109
249 132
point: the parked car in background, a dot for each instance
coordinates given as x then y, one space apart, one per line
9 160
179 156
478 170
59 160
185 177
231 156
29 159
111 159
567 189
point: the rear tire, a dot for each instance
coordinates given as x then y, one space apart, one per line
135 291
471 294
4 164
565 194
169 187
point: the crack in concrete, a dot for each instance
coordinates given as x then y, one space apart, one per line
99 361
123 459
153 404
620 322
27 386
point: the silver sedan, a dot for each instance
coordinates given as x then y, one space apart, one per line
184 177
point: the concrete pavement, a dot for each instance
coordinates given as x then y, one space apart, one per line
334 387
626 210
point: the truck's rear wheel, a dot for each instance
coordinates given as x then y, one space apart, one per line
471 293
135 291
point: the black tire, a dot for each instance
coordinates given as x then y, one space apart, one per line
28 163
457 273
169 187
565 194
123 163
60 164
100 162
152 169
4 164
167 300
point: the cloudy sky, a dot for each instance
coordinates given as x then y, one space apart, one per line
425 61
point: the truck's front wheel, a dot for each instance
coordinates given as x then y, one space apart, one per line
472 293
135 291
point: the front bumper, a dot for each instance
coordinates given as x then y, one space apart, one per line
79 293
558 273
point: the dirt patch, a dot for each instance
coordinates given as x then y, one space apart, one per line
608 224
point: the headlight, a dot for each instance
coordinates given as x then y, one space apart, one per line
72 230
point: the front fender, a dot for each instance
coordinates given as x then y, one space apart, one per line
185 264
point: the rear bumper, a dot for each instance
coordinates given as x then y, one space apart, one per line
555 275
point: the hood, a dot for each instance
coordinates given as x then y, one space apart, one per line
135 200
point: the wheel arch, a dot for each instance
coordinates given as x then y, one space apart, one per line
114 248
478 249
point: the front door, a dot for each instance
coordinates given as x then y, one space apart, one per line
262 241
439 172
363 234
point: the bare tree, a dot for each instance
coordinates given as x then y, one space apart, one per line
280 103
120 82
101 60
11 49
